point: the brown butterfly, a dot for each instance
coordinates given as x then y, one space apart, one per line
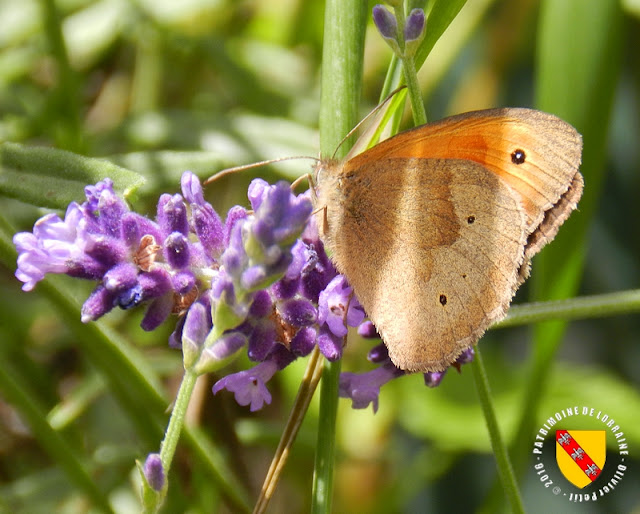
435 228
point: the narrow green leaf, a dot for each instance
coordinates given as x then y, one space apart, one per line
342 65
440 17
52 178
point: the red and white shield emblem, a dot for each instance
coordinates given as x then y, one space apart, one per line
581 455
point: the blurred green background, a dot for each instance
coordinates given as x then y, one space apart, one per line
160 87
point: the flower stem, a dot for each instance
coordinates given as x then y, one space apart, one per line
596 306
172 435
326 446
410 72
505 470
413 88
176 422
342 65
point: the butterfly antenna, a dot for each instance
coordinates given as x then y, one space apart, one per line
367 117
244 167
300 180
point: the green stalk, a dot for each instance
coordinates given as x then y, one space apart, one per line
153 501
505 470
322 493
343 51
413 88
410 73
596 306
172 435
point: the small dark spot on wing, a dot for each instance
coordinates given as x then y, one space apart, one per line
518 156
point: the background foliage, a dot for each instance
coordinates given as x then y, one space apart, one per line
157 87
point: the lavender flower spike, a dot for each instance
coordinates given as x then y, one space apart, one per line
133 259
258 253
259 250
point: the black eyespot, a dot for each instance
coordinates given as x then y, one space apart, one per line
471 219
464 275
518 156
443 299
